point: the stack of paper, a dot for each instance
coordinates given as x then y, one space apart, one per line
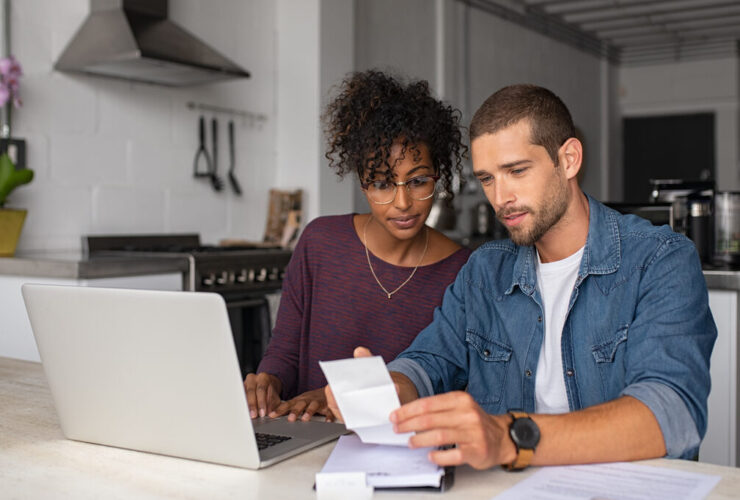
376 457
384 466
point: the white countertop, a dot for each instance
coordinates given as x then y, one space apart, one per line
73 265
36 461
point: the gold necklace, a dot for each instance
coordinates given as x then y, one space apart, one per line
367 254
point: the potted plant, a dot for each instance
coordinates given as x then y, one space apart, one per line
11 220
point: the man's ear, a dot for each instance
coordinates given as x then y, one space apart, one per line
570 157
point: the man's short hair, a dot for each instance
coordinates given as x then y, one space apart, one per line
550 121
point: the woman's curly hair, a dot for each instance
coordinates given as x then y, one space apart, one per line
373 110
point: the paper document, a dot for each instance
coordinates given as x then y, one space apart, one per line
613 481
366 397
384 466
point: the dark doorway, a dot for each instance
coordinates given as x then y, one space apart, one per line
666 147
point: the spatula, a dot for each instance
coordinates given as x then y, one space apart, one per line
232 161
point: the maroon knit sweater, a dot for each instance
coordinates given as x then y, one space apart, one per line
331 304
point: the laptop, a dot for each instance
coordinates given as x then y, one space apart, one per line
157 372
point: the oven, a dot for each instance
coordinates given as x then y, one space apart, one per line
248 277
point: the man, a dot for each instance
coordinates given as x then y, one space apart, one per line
586 337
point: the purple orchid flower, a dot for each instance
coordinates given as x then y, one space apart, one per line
10 67
10 73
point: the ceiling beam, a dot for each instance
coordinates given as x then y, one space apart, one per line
727 44
645 9
676 56
675 27
538 2
702 34
574 6
677 53
648 19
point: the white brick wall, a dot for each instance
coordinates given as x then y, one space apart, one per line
112 156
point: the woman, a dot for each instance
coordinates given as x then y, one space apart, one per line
369 279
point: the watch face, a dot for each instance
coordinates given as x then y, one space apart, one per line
525 433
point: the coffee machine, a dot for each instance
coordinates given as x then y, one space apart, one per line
693 210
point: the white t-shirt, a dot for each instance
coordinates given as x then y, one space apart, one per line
555 281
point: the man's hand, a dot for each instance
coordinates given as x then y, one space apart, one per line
305 406
263 393
454 418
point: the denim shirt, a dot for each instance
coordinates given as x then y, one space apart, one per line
638 324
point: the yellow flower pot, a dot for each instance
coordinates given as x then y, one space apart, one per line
11 223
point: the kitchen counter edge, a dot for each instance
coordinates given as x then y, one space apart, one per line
722 279
103 267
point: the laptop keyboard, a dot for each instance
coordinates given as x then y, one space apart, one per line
267 440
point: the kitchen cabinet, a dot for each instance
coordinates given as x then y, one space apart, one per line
721 444
70 268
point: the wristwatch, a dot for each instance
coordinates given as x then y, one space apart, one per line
525 434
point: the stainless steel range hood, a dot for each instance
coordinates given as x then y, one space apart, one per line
134 40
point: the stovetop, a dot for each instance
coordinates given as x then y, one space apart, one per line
223 269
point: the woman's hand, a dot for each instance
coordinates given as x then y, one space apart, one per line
304 406
263 393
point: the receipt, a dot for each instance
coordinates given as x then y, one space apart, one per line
366 396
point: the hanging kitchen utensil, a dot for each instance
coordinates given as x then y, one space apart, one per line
216 181
232 161
202 152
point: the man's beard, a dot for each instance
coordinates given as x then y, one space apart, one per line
546 216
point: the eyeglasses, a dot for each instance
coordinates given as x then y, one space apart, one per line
419 188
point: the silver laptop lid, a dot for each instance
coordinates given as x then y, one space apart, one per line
146 370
